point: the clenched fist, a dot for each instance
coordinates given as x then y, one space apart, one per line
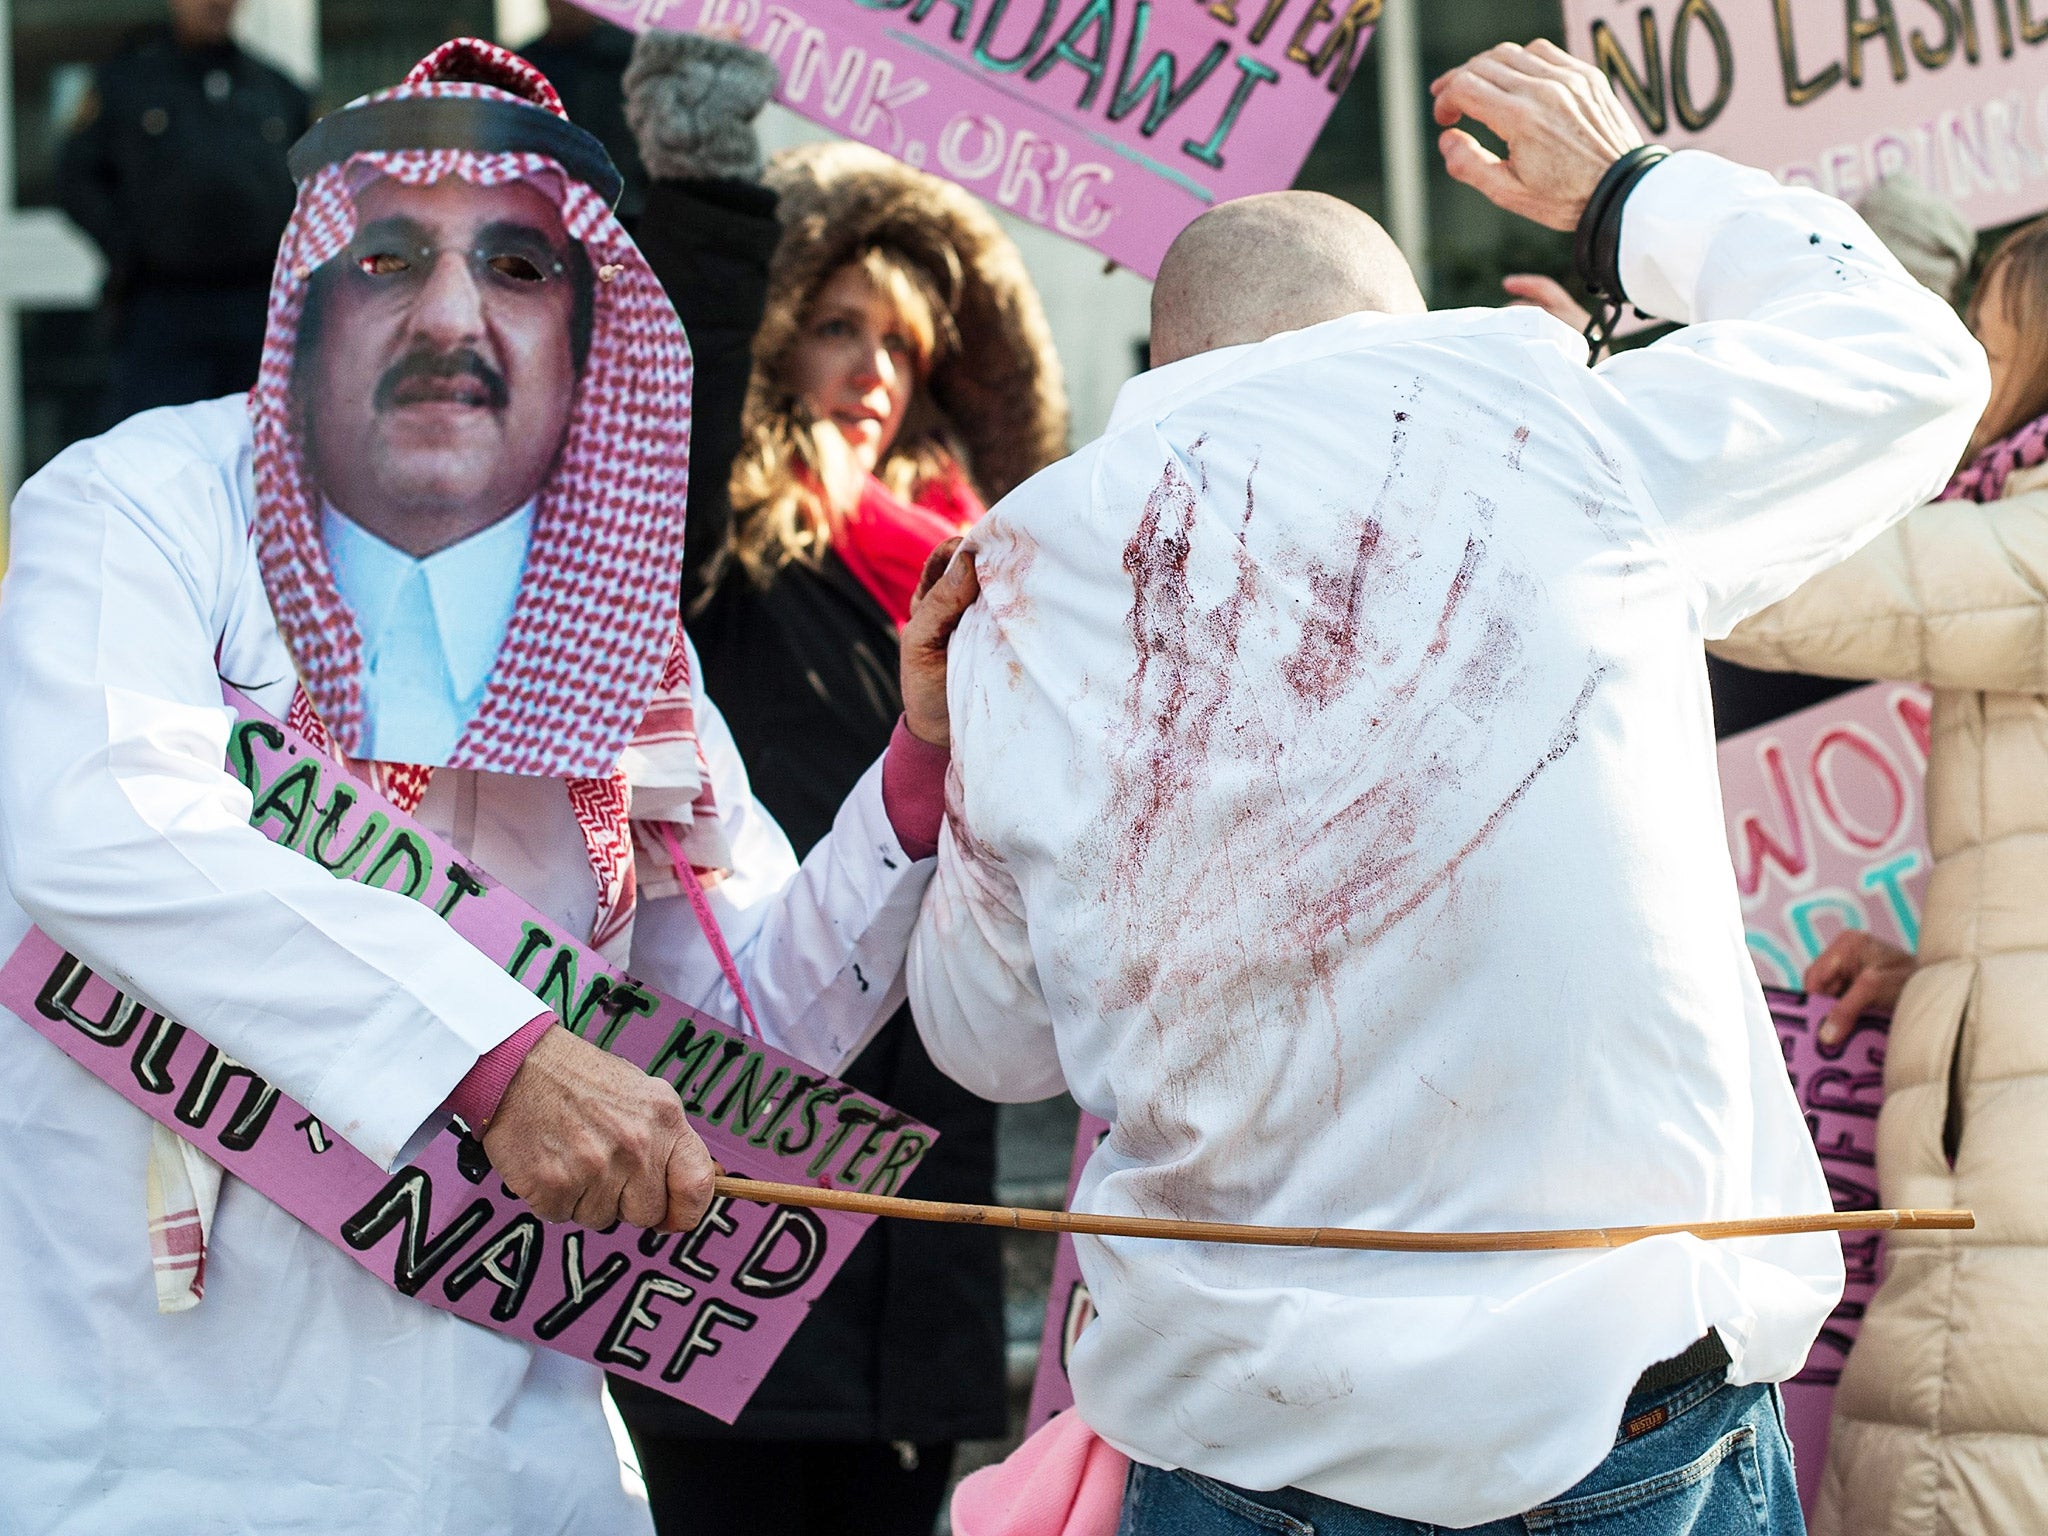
583 1136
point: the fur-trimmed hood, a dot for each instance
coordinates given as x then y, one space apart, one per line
1002 392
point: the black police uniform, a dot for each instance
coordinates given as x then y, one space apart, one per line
586 69
177 169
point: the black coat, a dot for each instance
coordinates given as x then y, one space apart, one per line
176 167
907 1343
585 68
1745 698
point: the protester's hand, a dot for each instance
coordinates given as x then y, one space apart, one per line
1864 972
1548 295
1559 117
586 1137
945 591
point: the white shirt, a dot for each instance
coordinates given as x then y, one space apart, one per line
301 1394
1336 814
431 628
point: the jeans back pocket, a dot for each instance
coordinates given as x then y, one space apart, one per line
1719 1493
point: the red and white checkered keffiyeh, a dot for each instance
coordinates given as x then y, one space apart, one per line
592 684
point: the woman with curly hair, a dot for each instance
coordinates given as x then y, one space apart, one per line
873 367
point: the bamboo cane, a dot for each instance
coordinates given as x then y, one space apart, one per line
1025 1220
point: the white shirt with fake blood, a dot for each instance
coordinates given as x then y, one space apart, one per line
1335 812
303 1394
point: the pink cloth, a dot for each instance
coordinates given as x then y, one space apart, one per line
1064 1481
476 1097
914 790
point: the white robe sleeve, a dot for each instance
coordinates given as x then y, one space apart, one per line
820 946
123 836
1817 394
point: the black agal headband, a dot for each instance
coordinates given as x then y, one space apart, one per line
481 125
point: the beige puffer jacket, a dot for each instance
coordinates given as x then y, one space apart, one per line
1941 1421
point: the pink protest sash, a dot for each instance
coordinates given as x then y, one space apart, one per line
700 1316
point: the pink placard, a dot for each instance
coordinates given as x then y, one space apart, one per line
1827 826
1841 97
700 1316
1113 122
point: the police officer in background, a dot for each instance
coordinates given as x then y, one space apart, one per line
585 60
176 168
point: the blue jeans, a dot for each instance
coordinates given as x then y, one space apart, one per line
1716 1464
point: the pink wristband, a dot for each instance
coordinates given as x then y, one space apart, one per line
914 790
476 1097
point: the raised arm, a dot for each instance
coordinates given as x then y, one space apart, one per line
1955 595
1817 393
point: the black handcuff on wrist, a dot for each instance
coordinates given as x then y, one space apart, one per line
1596 246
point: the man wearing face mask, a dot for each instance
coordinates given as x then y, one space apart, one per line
441 537
438 359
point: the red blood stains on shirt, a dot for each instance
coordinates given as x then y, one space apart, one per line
1002 564
1324 661
1520 441
1339 628
974 853
1186 667
1375 893
1461 584
1244 848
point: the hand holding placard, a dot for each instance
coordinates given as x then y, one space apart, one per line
1865 972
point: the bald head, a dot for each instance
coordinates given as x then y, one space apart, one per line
1280 261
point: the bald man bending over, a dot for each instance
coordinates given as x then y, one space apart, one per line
1334 812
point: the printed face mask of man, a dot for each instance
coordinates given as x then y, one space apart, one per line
444 367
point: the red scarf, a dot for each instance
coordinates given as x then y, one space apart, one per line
886 540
